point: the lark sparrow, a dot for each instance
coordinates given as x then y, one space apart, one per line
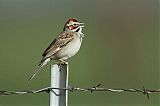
66 45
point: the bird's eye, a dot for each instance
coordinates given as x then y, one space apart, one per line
75 24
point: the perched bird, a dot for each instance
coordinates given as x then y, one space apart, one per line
64 46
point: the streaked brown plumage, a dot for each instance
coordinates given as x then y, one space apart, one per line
66 45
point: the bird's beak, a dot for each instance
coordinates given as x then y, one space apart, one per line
81 24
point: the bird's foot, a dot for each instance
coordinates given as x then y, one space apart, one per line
62 62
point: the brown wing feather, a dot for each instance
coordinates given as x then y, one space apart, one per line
48 48
62 40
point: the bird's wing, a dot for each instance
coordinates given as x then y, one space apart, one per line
62 40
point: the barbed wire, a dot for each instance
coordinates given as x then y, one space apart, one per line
144 90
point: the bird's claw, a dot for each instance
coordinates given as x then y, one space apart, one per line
62 62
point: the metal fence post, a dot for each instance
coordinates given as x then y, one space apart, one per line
59 79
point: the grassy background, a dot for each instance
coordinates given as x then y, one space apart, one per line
120 49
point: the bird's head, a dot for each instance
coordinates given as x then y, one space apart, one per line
73 25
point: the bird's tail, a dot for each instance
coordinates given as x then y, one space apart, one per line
41 64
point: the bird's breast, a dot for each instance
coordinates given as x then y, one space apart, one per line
70 49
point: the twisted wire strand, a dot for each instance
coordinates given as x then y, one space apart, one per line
144 90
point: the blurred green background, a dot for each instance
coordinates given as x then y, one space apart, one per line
119 50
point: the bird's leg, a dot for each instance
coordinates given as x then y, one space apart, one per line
61 62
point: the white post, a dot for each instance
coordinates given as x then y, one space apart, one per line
59 79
